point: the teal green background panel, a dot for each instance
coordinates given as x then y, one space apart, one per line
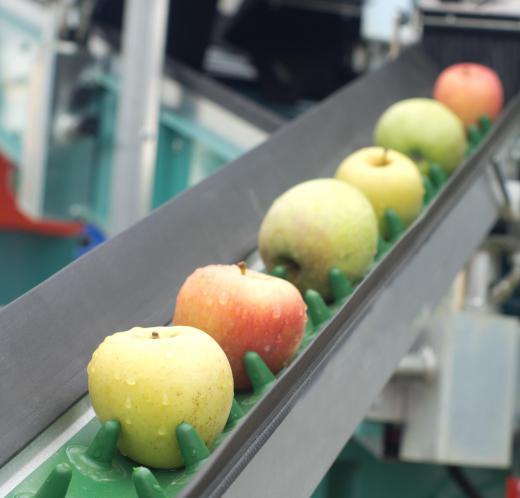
358 474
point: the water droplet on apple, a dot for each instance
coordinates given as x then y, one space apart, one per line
130 381
267 348
128 402
161 431
277 312
165 399
223 298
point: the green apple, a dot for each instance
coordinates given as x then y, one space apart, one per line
425 130
153 379
318 225
388 178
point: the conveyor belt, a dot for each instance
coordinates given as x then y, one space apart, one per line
288 440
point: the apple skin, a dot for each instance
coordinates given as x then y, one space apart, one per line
388 178
244 312
425 130
470 91
152 385
315 226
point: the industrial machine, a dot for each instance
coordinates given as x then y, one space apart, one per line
58 109
416 366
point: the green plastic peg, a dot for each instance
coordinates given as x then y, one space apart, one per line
394 225
235 414
101 450
146 484
485 124
57 484
382 248
193 449
279 271
317 309
474 135
340 285
469 150
258 372
437 175
429 190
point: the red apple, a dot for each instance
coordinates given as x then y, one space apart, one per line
244 310
470 91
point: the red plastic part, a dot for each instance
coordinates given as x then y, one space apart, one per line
513 487
11 218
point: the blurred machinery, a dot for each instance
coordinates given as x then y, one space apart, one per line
485 32
58 115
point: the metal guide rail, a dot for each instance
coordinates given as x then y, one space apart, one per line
305 417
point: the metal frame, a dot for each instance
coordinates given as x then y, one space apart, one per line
144 38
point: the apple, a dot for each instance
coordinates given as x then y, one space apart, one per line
470 91
151 380
388 178
244 310
315 226
425 130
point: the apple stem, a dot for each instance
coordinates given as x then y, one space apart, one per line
384 160
243 267
155 335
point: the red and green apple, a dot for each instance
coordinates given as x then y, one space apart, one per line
244 310
318 225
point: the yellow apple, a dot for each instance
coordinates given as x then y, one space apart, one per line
151 380
388 178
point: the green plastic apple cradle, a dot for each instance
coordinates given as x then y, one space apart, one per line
89 464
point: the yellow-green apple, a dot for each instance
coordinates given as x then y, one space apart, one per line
470 91
244 310
151 380
425 130
315 226
388 178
